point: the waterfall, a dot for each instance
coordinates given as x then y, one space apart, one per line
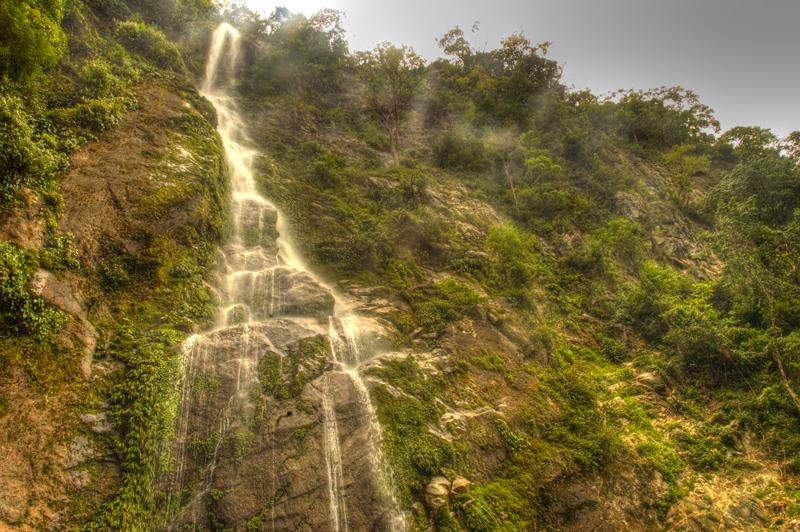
258 267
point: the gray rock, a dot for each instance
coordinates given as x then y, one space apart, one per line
98 423
79 452
59 294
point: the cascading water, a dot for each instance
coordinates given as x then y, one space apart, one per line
271 309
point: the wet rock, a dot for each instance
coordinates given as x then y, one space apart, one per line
45 285
98 423
59 294
303 296
279 292
79 452
437 492
460 485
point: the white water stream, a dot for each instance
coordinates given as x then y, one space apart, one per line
257 270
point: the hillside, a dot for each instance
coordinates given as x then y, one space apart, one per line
445 296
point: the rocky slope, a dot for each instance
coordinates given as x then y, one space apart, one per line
134 199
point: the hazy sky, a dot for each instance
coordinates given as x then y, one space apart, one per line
740 56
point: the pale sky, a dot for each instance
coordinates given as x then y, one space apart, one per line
740 56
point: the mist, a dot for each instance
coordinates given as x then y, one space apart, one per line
735 54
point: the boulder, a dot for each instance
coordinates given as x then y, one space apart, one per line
460 485
437 492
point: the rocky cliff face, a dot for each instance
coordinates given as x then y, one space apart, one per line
259 323
151 186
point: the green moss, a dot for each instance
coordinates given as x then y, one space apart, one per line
499 505
516 442
253 524
240 441
490 361
443 303
575 383
414 454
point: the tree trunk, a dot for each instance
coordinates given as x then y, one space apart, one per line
513 189
787 384
395 136
393 141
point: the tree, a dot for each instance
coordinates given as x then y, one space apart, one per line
664 117
758 235
391 76
765 261
791 146
749 141
454 44
305 58
684 163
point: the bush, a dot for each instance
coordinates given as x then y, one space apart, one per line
149 42
548 207
444 303
584 434
456 152
644 306
60 254
622 239
97 80
513 262
20 310
31 38
24 159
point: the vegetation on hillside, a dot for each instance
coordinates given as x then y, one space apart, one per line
360 149
718 325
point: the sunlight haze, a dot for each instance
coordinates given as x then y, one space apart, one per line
735 54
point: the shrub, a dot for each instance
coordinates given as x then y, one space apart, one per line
644 305
621 238
444 303
327 169
585 436
548 207
149 42
513 262
60 254
457 152
24 159
20 310
97 80
31 38
114 273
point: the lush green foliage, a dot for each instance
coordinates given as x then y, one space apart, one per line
32 38
572 246
25 158
586 190
20 310
415 454
150 42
